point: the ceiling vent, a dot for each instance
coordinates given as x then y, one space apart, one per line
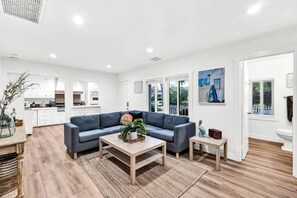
14 57
29 10
156 59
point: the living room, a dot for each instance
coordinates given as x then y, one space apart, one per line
136 57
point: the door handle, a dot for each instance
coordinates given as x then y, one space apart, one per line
249 113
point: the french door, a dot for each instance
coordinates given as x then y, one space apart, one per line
179 97
156 97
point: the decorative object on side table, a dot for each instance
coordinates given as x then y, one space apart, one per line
132 130
202 131
214 133
11 93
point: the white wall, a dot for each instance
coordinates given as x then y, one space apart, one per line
223 117
108 84
1 79
277 68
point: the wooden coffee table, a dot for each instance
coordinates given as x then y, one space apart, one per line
135 155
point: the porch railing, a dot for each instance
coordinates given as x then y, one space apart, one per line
258 109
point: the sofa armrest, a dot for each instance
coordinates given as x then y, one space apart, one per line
183 132
71 136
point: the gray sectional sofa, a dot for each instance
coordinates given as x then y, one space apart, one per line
82 132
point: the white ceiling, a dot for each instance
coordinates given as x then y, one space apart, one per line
117 32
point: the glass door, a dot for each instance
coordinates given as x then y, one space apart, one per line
179 97
155 99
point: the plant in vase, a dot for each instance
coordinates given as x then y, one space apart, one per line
12 91
132 129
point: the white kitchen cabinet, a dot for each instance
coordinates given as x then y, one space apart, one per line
35 118
44 88
48 116
77 86
60 117
93 86
28 121
60 84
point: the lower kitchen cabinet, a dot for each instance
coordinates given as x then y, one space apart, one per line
44 117
35 118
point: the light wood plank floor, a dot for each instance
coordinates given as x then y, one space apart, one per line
266 172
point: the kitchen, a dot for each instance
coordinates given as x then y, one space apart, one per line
49 102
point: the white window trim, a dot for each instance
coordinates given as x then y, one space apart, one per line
262 117
155 83
189 74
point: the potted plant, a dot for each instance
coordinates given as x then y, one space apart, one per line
12 91
132 129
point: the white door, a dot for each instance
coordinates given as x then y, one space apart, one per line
124 95
245 109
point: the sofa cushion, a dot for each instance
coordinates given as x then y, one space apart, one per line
163 134
170 121
109 119
156 119
113 129
144 116
136 114
126 117
150 128
91 135
124 112
85 123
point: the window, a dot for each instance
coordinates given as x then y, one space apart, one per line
262 97
155 97
179 97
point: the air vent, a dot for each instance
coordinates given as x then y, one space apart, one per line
156 59
14 57
29 10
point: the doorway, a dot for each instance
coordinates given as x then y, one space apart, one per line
124 95
266 87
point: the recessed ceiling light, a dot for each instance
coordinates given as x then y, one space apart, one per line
53 55
149 50
254 9
108 66
78 20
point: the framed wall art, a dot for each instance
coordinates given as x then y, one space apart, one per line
211 85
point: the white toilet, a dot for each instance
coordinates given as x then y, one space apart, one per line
287 136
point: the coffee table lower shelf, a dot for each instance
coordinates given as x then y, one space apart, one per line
134 155
141 160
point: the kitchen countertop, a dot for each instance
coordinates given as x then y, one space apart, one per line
41 108
85 106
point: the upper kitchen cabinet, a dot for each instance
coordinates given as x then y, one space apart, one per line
92 86
44 88
79 93
60 84
78 86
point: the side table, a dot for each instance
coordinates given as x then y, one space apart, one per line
14 145
210 142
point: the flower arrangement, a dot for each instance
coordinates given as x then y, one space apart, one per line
12 91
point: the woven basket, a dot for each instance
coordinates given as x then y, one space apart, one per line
8 173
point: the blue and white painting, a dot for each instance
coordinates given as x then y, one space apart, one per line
211 85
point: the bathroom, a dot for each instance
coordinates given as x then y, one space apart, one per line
271 98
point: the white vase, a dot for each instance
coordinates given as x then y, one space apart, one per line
133 135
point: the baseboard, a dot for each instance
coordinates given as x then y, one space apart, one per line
261 137
211 150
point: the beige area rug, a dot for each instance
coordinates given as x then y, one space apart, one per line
112 177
